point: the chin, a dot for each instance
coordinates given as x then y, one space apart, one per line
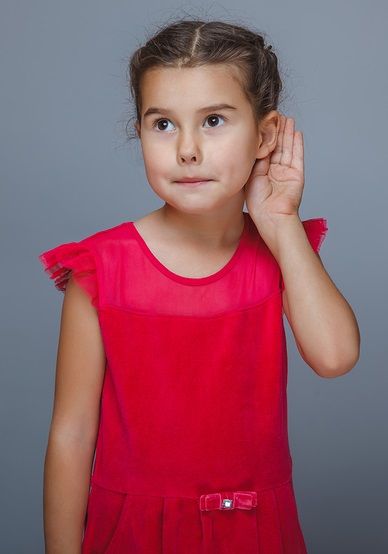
198 210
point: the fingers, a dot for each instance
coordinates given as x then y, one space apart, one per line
289 147
277 153
288 142
297 161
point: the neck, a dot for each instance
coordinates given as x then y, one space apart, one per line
224 226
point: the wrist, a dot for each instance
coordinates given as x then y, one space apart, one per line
282 234
274 228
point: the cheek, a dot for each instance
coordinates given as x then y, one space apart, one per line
237 162
155 158
240 148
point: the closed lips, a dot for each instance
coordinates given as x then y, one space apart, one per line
192 180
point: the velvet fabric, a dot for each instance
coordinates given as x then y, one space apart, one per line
192 454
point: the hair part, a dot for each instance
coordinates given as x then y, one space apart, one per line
187 44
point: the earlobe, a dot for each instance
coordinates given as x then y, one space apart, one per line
268 131
137 127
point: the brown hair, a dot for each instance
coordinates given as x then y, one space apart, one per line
189 43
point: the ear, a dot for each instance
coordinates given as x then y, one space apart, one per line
268 134
137 127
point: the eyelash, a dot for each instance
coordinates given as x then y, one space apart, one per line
157 121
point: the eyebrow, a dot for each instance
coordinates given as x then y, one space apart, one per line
213 108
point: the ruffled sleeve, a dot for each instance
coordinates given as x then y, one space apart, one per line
74 258
316 230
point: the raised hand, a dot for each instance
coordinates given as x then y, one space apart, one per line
275 186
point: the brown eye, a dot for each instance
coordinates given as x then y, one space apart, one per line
214 121
164 125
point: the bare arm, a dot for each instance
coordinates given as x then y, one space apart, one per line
70 451
323 323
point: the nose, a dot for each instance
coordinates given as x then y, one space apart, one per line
189 150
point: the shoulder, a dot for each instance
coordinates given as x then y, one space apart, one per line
85 259
113 234
255 242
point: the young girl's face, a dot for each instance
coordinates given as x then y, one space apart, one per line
199 137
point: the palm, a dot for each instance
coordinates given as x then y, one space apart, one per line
276 183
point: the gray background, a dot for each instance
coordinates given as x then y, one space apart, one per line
66 173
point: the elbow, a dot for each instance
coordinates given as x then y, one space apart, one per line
337 363
337 353
68 437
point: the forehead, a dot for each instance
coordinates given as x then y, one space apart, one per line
192 87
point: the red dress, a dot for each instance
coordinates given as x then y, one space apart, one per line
192 454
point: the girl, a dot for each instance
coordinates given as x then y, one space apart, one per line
172 363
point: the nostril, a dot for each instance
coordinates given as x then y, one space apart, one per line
186 159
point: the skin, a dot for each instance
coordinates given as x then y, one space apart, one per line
323 324
194 234
73 431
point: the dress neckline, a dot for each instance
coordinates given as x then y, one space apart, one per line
194 280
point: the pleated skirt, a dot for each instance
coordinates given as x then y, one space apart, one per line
243 522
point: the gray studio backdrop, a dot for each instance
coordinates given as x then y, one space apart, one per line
66 173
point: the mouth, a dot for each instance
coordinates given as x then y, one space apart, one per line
192 181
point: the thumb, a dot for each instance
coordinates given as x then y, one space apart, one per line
261 167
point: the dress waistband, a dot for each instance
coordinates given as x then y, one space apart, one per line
243 500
